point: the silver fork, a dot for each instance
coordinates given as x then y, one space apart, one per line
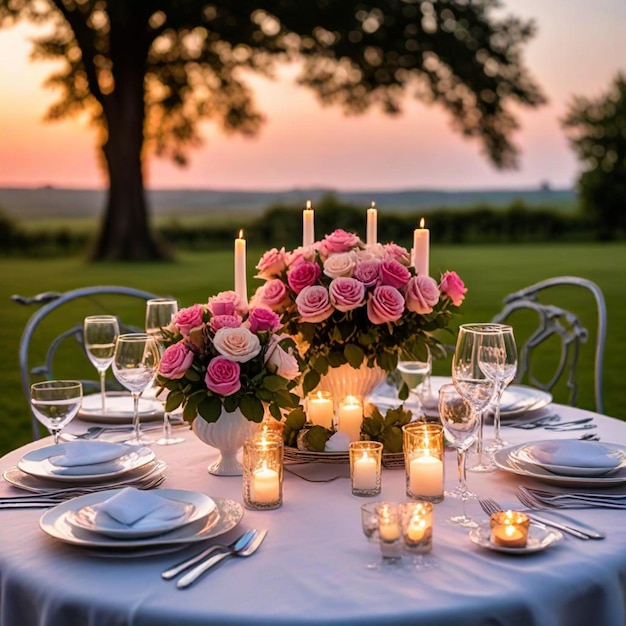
490 506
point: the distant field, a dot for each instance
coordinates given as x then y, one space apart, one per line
490 272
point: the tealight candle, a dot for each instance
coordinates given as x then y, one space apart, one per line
390 530
509 529
320 409
350 417
265 487
372 226
263 471
423 461
365 467
241 288
417 526
308 227
421 249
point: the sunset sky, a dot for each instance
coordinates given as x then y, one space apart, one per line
579 48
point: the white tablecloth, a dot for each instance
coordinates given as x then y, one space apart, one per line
312 567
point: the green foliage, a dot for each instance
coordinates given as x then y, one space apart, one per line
386 429
596 129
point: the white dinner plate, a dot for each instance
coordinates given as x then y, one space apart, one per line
16 477
119 408
56 524
505 459
84 515
37 463
539 538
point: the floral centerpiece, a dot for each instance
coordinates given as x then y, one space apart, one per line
223 356
348 303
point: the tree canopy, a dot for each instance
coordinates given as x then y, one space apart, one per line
148 71
596 129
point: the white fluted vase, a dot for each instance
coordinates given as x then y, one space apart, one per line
227 434
345 380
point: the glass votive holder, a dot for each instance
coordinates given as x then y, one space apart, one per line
417 526
423 461
365 467
320 408
509 529
350 417
369 521
390 530
263 471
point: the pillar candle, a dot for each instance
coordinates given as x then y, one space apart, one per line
421 249
241 288
265 487
426 476
308 227
320 409
350 417
372 226
364 472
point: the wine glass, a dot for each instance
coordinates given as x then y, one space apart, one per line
55 403
99 335
460 424
159 315
135 364
498 359
414 372
472 382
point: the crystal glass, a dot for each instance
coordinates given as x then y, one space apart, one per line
498 359
365 467
55 403
160 313
135 365
263 471
473 383
423 461
460 424
99 335
415 373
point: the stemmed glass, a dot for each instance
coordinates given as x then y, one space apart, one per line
460 424
498 359
55 403
99 335
414 372
472 382
135 365
159 315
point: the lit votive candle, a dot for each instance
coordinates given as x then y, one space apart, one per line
390 530
509 529
263 471
350 416
423 460
265 486
426 476
365 467
417 526
320 409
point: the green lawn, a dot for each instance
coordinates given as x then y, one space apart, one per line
490 272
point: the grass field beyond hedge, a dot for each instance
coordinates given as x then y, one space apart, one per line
490 272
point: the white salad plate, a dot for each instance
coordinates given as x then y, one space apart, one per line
197 506
37 463
57 523
119 408
539 538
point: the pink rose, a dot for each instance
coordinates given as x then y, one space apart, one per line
281 362
222 303
346 293
453 287
303 275
189 318
222 376
422 294
238 344
338 241
368 272
394 274
224 321
340 264
397 253
272 264
301 254
176 360
263 319
313 304
371 253
272 295
385 304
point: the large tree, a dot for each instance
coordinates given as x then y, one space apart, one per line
148 71
596 128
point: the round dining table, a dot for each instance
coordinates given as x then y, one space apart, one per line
316 566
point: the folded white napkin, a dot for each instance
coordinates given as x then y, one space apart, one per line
575 453
89 457
139 509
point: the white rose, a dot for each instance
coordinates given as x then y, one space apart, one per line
340 264
371 253
238 344
285 363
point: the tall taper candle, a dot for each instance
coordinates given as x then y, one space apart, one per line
308 227
421 249
241 288
372 217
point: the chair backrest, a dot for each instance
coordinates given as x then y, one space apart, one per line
557 326
53 335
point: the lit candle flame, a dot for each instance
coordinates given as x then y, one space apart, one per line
241 234
373 205
422 222
308 205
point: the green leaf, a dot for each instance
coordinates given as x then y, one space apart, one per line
354 355
316 438
403 393
336 358
274 383
252 408
388 361
174 400
210 408
230 403
392 440
310 381
275 412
